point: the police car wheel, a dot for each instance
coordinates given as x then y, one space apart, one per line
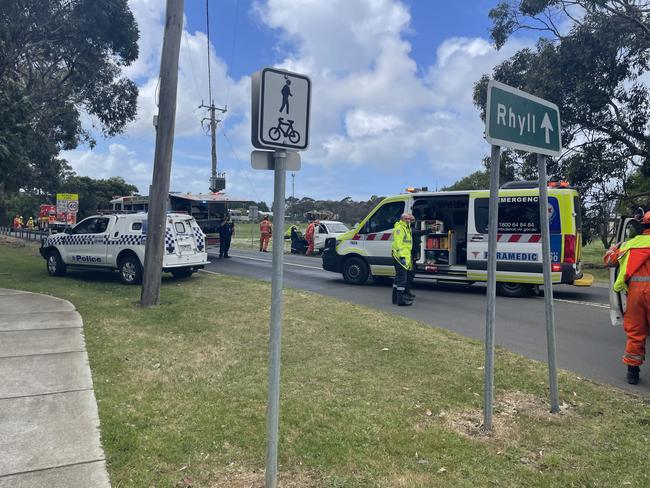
355 271
513 290
130 270
55 265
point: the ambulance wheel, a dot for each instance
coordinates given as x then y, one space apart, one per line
513 290
355 271
130 270
55 265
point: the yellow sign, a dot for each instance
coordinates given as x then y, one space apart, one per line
67 196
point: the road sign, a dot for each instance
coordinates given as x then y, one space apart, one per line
67 203
519 120
266 160
280 109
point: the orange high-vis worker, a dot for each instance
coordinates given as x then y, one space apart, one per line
633 259
309 235
266 231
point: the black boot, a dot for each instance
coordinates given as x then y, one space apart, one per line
633 375
403 300
394 296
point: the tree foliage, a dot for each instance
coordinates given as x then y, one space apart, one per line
590 60
94 194
60 59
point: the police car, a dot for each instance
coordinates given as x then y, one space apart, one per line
457 245
117 242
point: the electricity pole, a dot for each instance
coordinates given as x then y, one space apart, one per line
159 190
217 181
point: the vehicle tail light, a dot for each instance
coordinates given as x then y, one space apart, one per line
556 267
570 248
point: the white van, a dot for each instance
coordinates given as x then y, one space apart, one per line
457 249
117 242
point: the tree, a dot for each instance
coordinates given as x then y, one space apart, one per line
94 194
591 68
262 207
59 59
480 180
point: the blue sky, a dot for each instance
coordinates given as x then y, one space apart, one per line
392 82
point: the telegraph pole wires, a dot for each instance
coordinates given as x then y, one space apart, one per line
217 180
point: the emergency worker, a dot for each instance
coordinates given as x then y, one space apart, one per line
30 223
309 235
633 259
21 222
401 250
16 223
266 231
226 231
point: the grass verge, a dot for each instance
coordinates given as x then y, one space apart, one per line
592 261
368 399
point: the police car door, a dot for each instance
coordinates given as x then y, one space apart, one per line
79 242
626 229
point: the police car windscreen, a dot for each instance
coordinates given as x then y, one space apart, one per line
517 214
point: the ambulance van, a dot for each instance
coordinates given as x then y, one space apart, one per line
455 250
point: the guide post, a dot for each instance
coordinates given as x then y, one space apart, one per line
280 123
522 121
488 391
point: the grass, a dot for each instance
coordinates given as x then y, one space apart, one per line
247 236
369 399
592 260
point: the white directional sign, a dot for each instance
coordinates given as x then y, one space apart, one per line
281 104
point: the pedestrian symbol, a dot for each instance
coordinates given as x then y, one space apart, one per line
286 93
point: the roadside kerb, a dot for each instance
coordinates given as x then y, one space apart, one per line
49 425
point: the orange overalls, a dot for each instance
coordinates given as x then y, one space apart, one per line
633 258
309 235
265 234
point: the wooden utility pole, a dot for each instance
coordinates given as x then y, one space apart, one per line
217 180
159 191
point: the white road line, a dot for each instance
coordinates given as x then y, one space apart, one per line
578 302
270 262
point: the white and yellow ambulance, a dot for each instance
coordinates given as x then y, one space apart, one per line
456 248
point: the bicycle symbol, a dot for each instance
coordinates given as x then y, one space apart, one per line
287 131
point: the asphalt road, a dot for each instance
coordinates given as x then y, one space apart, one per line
586 342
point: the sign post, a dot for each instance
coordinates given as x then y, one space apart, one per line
522 121
280 122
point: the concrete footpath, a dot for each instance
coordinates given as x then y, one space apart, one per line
49 427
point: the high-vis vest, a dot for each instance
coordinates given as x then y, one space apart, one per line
631 256
402 242
265 227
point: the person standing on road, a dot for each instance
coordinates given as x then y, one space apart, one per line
401 250
266 231
633 259
226 231
309 235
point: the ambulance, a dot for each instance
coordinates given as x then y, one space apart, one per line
456 247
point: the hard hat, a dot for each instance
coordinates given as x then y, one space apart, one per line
646 218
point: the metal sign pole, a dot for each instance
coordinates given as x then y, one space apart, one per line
273 409
488 390
548 283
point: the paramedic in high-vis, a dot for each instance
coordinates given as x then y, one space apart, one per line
401 251
633 259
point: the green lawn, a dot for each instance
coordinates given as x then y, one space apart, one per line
592 259
369 399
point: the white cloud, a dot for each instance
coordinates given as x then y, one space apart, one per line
372 105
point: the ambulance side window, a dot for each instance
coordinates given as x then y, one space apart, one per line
384 218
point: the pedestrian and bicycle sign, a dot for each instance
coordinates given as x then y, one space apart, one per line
519 120
280 110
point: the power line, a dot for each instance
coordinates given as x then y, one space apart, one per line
207 28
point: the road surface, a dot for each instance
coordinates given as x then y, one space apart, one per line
586 342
